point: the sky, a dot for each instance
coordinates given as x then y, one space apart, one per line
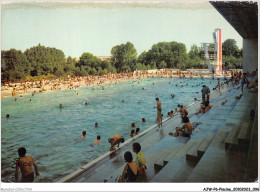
95 27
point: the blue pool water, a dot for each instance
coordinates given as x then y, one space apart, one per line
52 135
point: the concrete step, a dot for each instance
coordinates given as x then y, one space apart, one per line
158 161
165 143
191 154
147 176
181 154
212 162
172 154
115 175
244 136
177 170
252 167
204 145
219 139
232 140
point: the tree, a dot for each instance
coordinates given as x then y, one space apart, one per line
45 60
15 65
69 66
124 57
15 60
230 48
231 62
59 73
88 59
104 64
172 53
140 66
195 59
153 65
194 52
162 65
93 71
142 57
125 69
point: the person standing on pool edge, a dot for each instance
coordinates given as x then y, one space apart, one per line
159 111
25 164
115 140
204 92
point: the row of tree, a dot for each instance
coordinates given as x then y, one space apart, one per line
41 61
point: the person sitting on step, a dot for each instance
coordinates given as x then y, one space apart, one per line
201 110
140 159
130 170
185 130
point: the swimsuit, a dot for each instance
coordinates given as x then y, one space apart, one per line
28 178
130 176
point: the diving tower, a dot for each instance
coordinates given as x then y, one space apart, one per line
212 53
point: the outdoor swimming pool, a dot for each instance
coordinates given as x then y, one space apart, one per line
52 135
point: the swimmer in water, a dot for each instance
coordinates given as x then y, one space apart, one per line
84 133
96 124
15 100
143 120
132 133
61 106
7 116
97 141
139 102
30 100
137 130
169 114
123 100
21 96
132 124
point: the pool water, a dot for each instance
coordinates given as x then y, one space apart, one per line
52 135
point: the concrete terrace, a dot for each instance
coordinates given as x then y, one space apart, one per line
223 147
